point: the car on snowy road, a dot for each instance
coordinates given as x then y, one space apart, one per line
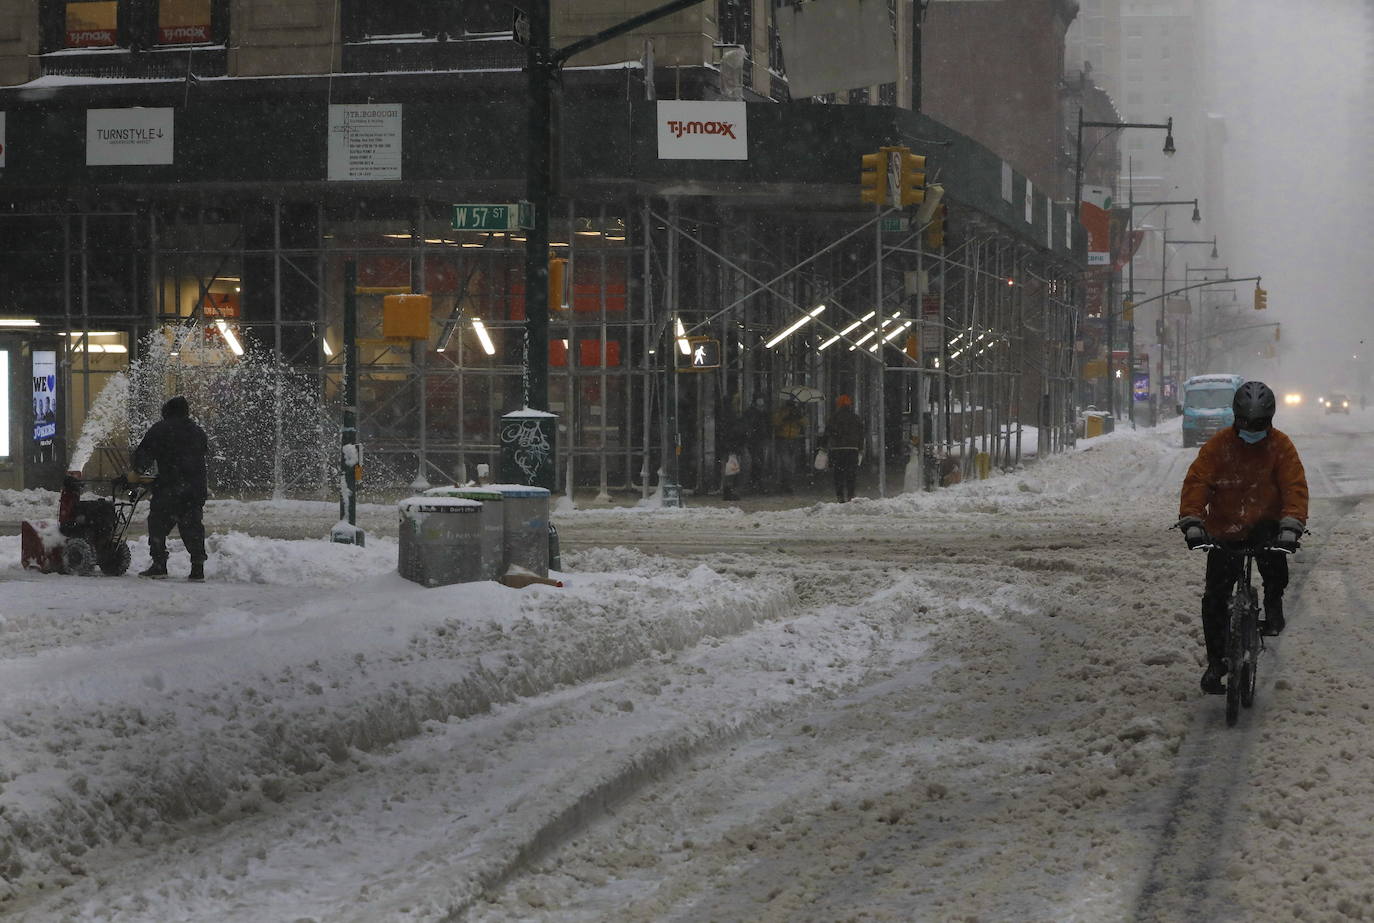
1336 402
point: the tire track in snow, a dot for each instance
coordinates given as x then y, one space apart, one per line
1195 843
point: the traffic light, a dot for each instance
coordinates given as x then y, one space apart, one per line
873 179
911 178
1277 328
1128 311
1261 298
935 230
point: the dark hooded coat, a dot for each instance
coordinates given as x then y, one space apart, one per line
178 447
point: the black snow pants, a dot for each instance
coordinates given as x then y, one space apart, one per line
1223 570
179 510
844 465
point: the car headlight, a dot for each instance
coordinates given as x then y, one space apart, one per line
1292 398
1345 403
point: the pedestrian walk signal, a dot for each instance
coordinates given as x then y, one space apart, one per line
703 353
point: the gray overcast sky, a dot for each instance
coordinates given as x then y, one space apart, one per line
1293 90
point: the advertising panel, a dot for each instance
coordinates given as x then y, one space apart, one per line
702 130
126 137
1093 215
1141 387
2 140
44 396
4 403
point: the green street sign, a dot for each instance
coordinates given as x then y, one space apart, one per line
503 217
898 223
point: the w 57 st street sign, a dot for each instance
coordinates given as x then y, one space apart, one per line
499 217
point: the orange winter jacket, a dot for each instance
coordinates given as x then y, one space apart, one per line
1233 485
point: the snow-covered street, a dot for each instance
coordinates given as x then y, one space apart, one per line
979 703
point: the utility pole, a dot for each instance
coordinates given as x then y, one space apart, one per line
544 67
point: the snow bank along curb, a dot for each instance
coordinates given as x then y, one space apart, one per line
170 741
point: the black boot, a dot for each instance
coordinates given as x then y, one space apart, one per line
197 571
158 570
1211 679
1273 616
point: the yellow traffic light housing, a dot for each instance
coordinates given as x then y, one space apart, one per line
935 230
1128 311
558 271
873 179
1261 298
911 178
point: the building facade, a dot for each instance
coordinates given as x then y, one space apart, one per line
188 182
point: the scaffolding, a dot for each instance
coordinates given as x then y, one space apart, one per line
951 353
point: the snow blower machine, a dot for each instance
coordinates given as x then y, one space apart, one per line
88 533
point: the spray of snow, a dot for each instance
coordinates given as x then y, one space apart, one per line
265 420
108 414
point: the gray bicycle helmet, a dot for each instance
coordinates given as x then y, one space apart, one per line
1254 406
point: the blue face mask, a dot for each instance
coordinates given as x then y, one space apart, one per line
1251 436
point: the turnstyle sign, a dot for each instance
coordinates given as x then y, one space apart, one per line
497 217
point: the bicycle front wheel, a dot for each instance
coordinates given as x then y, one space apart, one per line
1250 664
1235 656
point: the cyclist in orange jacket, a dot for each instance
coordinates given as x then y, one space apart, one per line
1247 483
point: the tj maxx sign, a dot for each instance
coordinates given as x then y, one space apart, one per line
699 130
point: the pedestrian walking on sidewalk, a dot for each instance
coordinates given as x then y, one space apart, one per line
843 440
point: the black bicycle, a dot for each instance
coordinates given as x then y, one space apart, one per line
1243 640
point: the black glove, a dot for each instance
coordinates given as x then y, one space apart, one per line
1290 534
1193 532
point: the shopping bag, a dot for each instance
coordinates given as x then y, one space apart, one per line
822 460
732 465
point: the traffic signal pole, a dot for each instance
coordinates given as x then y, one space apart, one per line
543 67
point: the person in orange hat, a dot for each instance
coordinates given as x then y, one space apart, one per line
843 440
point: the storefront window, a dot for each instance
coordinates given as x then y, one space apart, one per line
183 22
92 24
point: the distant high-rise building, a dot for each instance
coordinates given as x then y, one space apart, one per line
1093 44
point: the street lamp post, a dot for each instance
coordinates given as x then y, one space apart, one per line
1130 324
1204 317
1078 149
1169 149
1164 285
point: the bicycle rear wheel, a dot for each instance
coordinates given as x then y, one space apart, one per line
1235 655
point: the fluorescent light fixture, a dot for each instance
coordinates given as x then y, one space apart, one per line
847 331
324 343
683 346
469 243
558 243
89 333
234 346
397 236
435 240
795 326
887 339
102 348
483 337
18 322
864 339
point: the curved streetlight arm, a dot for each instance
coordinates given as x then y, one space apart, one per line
1186 288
